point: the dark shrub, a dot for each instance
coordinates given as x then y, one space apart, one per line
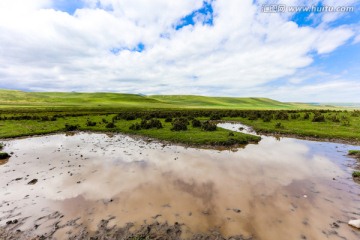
155 123
179 125
231 134
345 121
1 146
281 116
196 123
334 118
306 116
208 126
45 118
130 117
215 117
185 120
168 119
4 155
279 125
295 115
104 120
146 117
69 127
110 125
267 118
355 113
356 174
253 116
90 123
319 118
135 126
152 123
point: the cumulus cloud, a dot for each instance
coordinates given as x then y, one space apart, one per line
97 47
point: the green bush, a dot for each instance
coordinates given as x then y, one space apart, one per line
69 127
279 125
4 155
196 123
319 118
130 117
90 123
152 123
345 121
356 174
135 126
253 116
334 118
355 113
295 115
267 118
306 116
215 117
45 118
179 125
281 116
168 119
208 126
110 125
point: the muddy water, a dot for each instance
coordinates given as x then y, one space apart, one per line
278 189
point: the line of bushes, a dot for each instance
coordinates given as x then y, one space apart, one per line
169 115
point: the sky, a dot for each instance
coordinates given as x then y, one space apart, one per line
200 47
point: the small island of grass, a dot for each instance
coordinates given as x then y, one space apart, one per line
4 155
355 153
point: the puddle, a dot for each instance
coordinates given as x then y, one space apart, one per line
278 189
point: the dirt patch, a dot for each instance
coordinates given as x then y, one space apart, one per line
156 230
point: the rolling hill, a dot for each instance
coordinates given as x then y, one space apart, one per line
21 99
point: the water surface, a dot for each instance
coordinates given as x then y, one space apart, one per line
277 189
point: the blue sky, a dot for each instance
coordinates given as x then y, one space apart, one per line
212 47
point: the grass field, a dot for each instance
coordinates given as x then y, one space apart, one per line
193 136
33 113
346 126
10 99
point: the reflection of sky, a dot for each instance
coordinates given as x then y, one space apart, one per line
136 173
118 164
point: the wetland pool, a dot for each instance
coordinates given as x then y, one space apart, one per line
280 188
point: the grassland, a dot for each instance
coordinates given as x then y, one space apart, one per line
63 101
337 126
192 136
33 113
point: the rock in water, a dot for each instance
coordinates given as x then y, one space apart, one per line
355 223
32 182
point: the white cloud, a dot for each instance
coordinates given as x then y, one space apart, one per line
332 91
329 40
45 49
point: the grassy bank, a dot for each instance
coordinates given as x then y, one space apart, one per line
192 136
320 124
338 125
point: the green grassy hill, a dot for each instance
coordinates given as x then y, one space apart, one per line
223 102
44 100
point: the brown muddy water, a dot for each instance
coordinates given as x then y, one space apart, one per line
277 189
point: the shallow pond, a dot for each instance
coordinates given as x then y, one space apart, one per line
277 189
